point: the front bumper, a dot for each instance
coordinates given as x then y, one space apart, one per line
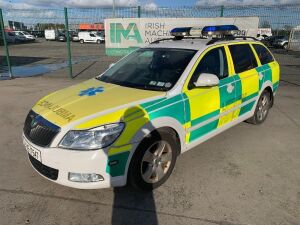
65 161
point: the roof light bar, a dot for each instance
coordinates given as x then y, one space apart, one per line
219 30
207 31
181 31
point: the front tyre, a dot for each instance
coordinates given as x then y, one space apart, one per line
262 108
153 161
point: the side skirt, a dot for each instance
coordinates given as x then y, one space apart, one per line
219 130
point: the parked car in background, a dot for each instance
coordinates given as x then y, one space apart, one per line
261 37
101 34
62 37
90 37
10 37
51 35
23 36
37 33
281 42
75 37
269 41
263 33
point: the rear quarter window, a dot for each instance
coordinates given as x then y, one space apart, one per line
243 57
264 55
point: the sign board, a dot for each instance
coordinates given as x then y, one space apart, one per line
265 31
123 35
86 26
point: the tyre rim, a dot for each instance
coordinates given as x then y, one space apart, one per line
156 162
263 107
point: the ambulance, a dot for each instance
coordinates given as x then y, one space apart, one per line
129 124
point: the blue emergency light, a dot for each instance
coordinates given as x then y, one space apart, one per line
181 31
219 30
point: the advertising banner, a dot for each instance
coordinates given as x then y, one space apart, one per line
123 35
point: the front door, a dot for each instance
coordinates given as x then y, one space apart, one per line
210 107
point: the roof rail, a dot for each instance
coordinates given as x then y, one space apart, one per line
211 41
163 39
176 38
230 38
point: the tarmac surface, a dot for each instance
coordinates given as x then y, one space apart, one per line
246 175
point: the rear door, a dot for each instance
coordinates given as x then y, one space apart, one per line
247 78
268 68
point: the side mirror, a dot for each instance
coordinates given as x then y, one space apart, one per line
111 65
207 80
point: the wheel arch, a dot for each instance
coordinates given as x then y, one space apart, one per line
161 124
164 124
267 85
270 90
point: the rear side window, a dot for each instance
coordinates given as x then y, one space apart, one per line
243 57
264 55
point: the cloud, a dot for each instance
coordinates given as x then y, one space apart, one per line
19 5
27 4
244 2
150 6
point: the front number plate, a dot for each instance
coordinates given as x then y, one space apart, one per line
32 151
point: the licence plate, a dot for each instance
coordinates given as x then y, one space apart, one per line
35 153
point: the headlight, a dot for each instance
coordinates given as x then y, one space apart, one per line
95 138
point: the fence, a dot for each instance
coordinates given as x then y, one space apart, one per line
19 58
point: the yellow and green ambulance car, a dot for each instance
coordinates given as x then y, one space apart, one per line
129 124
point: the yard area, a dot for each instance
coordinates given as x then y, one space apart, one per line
246 175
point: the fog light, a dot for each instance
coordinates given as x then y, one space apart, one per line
85 177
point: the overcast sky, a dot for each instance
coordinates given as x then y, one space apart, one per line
148 3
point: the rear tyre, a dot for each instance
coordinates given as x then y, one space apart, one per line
98 42
81 41
262 108
285 46
153 161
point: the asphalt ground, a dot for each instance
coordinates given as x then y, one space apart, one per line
246 175
88 59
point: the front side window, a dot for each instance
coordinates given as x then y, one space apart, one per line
264 55
150 68
243 57
214 62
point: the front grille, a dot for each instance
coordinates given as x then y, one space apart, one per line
46 171
38 130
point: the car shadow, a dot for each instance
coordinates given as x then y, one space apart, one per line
131 206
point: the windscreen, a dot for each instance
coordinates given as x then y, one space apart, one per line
150 68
